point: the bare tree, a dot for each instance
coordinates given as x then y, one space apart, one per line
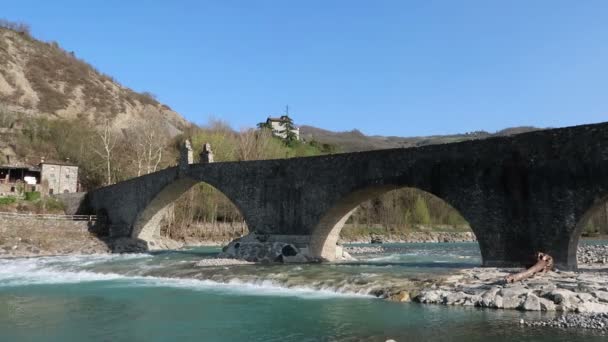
254 144
107 139
147 142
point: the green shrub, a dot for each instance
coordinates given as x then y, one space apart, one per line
53 204
32 196
7 200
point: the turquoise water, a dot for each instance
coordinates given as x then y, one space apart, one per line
167 297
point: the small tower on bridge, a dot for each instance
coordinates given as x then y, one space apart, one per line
206 155
186 157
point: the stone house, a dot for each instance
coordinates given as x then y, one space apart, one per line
59 177
47 177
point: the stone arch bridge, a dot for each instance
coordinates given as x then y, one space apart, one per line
520 194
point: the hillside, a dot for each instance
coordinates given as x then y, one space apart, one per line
41 79
354 140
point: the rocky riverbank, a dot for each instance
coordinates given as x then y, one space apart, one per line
28 237
579 292
25 238
357 250
414 237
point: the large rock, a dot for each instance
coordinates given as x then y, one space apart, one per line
254 248
431 297
602 296
592 307
402 296
546 305
512 297
532 303
454 298
488 298
565 299
128 245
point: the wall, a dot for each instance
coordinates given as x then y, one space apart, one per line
58 179
23 237
17 222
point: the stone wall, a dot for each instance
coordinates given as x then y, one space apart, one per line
22 237
72 202
17 223
59 179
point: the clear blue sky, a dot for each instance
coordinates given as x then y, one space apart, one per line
385 67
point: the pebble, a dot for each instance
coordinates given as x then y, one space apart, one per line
592 254
598 321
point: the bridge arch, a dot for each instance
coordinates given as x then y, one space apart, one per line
325 234
147 225
599 206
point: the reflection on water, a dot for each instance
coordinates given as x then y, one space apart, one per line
165 297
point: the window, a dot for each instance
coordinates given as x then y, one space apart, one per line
50 191
33 188
12 189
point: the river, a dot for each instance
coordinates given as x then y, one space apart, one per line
166 297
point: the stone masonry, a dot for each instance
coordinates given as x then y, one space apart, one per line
520 194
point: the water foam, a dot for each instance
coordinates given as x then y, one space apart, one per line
67 270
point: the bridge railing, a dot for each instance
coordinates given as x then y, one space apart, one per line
90 218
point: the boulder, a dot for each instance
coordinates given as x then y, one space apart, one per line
454 298
472 300
511 302
376 239
585 297
512 297
566 299
531 303
488 298
602 296
592 307
255 248
431 297
128 245
498 302
402 296
546 305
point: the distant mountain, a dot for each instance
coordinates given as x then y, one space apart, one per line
42 79
354 140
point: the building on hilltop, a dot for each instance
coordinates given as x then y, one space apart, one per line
46 178
281 126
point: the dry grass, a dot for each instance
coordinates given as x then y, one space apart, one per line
55 73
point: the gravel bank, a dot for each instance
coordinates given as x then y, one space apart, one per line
416 237
586 321
592 254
